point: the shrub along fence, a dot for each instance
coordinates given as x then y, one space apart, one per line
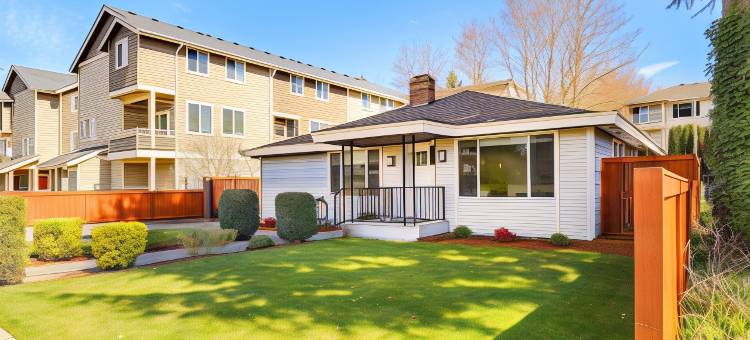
661 250
109 206
215 186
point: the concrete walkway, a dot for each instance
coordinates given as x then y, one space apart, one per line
5 335
195 223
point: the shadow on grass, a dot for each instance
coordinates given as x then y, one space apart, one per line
355 288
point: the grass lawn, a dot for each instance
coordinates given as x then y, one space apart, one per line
339 289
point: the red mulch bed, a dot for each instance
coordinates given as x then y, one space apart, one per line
605 246
38 263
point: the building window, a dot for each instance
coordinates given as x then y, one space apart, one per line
542 165
235 70
197 61
321 90
121 53
283 127
27 146
297 84
420 158
365 101
315 126
467 168
87 128
432 155
199 118
366 169
74 103
373 168
647 114
233 122
389 104
161 121
3 146
335 172
73 140
618 149
682 110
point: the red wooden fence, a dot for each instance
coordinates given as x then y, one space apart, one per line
108 206
661 242
219 184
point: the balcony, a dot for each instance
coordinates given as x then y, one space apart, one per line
141 139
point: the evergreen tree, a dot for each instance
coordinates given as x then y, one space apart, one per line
452 81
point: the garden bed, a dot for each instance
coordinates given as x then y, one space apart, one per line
606 246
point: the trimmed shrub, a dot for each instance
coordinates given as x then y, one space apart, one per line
268 222
200 242
260 241
504 235
296 216
13 251
117 245
58 238
238 209
86 249
462 231
559 239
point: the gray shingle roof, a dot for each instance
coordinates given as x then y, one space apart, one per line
303 139
157 27
16 163
677 92
44 80
62 159
465 108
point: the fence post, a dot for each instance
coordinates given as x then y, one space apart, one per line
207 198
660 226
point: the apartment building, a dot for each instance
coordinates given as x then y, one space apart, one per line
6 112
660 110
41 101
162 106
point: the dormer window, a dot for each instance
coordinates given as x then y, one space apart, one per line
121 53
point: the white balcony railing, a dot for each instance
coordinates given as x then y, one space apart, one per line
140 139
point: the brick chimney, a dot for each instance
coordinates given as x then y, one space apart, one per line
421 90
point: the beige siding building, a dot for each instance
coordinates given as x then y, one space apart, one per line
162 106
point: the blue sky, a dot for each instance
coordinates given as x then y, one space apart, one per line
357 38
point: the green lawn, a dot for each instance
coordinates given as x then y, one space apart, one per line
339 289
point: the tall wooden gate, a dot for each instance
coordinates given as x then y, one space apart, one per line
617 188
215 186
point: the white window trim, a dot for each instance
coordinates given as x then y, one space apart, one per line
369 101
692 109
285 130
200 122
124 43
157 117
244 119
309 124
327 99
291 87
555 161
74 103
73 140
367 165
197 62
615 144
91 133
244 70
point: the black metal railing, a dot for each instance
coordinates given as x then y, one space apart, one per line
322 210
409 205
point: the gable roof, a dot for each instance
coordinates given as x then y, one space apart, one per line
677 92
72 158
4 97
468 107
20 162
38 79
488 88
153 27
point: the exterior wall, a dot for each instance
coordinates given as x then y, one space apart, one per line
156 63
307 105
47 124
16 86
69 121
660 131
574 194
93 174
445 176
135 175
24 118
117 181
6 109
603 149
356 111
95 102
127 75
215 90
165 174
96 41
293 173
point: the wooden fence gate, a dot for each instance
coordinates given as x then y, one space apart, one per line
617 189
215 186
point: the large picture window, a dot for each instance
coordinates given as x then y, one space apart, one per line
508 167
366 169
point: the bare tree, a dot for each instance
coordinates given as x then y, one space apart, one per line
419 58
473 49
213 156
614 90
559 53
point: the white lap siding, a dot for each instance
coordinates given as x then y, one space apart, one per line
446 177
574 192
300 173
603 150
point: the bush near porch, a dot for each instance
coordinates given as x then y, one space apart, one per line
346 288
296 216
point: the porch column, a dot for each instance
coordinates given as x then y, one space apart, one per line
33 179
152 173
152 117
403 176
343 183
351 176
413 180
9 178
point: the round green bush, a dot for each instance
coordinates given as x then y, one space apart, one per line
296 217
559 239
13 252
462 231
58 238
238 209
260 241
117 245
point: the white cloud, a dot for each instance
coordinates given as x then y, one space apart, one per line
413 21
650 70
37 39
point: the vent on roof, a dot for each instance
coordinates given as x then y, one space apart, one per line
154 19
200 33
282 57
208 35
332 71
220 39
323 69
236 43
180 27
250 47
133 13
266 52
309 65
